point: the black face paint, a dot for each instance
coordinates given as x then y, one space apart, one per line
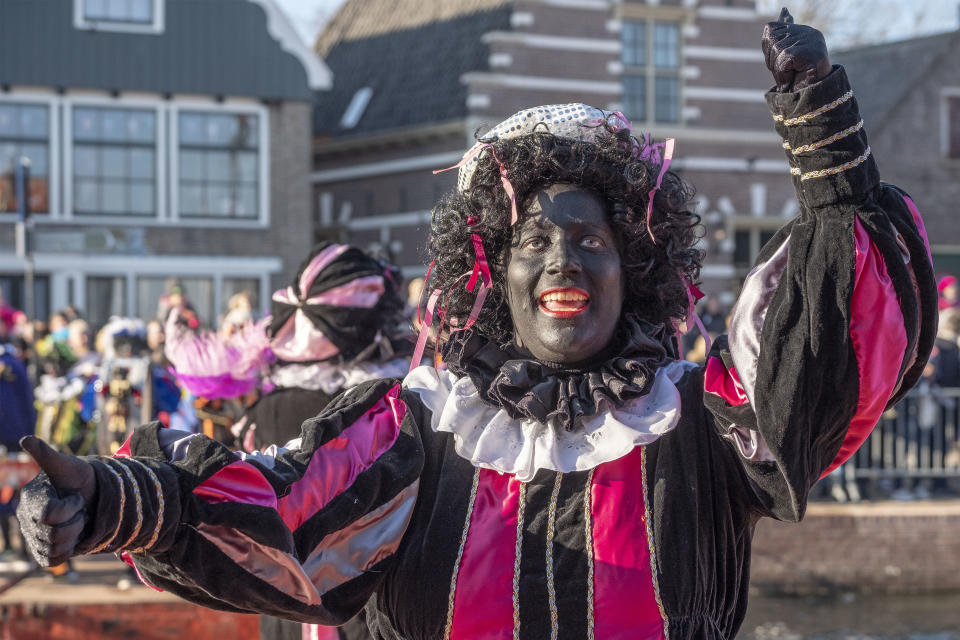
564 281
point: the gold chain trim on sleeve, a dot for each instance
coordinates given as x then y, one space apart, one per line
123 503
791 122
551 586
136 497
516 563
456 564
588 531
161 505
813 146
648 519
820 173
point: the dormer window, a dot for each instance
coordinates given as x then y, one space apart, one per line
358 104
137 16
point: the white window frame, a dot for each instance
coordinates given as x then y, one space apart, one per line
649 71
52 102
62 268
155 27
263 155
161 151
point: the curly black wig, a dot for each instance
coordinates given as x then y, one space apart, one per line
656 270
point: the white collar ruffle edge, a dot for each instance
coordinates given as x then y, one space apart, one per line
489 438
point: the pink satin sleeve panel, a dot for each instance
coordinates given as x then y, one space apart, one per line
879 342
337 463
724 382
237 482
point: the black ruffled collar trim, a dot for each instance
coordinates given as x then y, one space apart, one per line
556 394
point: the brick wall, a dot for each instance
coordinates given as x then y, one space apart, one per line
143 621
876 548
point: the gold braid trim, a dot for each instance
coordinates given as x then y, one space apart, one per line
161 505
123 502
551 586
822 143
456 564
137 498
588 526
820 173
516 563
791 122
648 519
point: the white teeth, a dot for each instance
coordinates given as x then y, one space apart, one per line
563 296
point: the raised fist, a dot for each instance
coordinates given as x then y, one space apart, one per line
53 506
796 54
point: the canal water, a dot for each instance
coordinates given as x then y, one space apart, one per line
853 617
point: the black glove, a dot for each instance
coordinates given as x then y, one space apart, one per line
796 54
53 506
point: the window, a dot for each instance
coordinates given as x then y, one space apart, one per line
219 165
358 104
24 131
14 289
114 161
633 38
952 124
233 286
105 297
666 45
666 99
197 291
635 97
134 11
136 16
650 52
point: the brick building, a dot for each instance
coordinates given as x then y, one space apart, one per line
909 94
166 138
417 78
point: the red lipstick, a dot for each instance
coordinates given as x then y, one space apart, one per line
563 302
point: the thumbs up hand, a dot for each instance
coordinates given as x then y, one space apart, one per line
52 510
796 54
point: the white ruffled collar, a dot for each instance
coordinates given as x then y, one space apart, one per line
489 438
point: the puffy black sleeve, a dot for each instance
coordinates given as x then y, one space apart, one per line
837 317
305 532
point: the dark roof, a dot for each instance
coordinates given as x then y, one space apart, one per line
413 68
208 47
883 75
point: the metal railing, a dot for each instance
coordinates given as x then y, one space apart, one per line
917 438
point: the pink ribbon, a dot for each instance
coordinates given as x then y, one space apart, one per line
504 178
694 294
650 153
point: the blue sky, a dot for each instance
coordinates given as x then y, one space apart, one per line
876 20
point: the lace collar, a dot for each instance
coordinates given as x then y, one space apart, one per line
489 437
562 396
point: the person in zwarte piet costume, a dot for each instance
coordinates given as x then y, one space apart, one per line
332 328
565 476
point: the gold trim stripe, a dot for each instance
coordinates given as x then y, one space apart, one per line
137 499
516 563
648 519
123 502
551 586
456 564
813 146
820 173
161 506
791 122
588 526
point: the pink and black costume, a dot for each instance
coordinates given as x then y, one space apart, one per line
507 498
